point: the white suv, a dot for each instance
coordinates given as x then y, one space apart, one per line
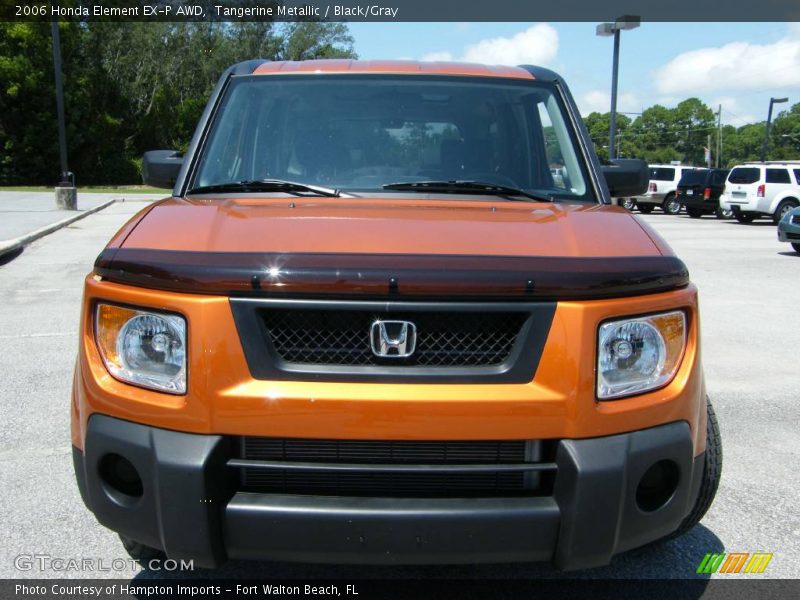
661 192
762 189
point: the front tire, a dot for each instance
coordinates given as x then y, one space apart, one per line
140 552
723 213
712 472
671 206
796 247
628 203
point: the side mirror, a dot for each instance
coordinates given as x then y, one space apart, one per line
160 168
626 177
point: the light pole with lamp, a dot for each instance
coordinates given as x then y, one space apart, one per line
769 121
606 30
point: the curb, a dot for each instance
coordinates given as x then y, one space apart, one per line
18 242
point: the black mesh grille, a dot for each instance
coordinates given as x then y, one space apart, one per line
384 452
397 484
444 339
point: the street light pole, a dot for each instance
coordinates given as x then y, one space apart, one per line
769 121
66 195
606 30
612 134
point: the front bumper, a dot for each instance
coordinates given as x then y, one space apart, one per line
190 506
789 231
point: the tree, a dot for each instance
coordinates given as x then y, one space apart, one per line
129 87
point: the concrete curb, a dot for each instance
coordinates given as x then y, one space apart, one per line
18 242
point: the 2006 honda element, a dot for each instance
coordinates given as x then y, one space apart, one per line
389 315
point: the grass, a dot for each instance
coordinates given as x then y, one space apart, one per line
96 189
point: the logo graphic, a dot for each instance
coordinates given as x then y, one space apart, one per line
736 562
393 339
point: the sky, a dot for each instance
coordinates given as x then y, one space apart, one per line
737 65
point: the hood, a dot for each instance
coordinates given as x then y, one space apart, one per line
391 248
394 226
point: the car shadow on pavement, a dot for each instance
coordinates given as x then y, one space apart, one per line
673 559
790 253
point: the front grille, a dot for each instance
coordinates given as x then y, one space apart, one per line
387 452
342 337
358 468
792 236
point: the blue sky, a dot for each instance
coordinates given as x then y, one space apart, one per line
738 65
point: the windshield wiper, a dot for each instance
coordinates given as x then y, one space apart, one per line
456 186
264 185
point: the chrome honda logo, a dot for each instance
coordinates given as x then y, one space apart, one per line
393 339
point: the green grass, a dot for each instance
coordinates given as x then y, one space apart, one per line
99 189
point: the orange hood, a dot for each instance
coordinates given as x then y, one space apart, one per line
393 226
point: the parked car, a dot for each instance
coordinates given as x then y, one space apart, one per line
370 326
789 228
699 191
662 189
768 189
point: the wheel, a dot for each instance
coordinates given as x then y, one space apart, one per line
712 471
645 208
796 247
694 213
744 217
783 208
670 205
723 213
141 553
627 203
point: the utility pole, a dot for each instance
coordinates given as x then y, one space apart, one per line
719 135
708 155
66 194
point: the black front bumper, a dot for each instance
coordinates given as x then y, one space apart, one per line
190 508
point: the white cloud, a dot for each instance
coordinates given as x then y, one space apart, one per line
438 57
536 45
600 101
733 113
738 65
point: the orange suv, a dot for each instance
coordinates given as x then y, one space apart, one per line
389 315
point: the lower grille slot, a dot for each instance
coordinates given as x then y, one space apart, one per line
364 468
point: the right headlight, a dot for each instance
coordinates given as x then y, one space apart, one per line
639 354
143 347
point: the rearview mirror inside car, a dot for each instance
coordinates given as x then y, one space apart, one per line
160 168
626 177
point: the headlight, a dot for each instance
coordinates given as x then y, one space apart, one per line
639 354
143 347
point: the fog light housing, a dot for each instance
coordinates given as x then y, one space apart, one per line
120 478
657 486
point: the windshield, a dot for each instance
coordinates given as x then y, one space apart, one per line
358 134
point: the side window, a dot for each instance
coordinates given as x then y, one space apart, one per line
778 176
797 176
719 178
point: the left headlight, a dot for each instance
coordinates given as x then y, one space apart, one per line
143 347
639 354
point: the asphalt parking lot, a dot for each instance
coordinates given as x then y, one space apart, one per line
749 288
